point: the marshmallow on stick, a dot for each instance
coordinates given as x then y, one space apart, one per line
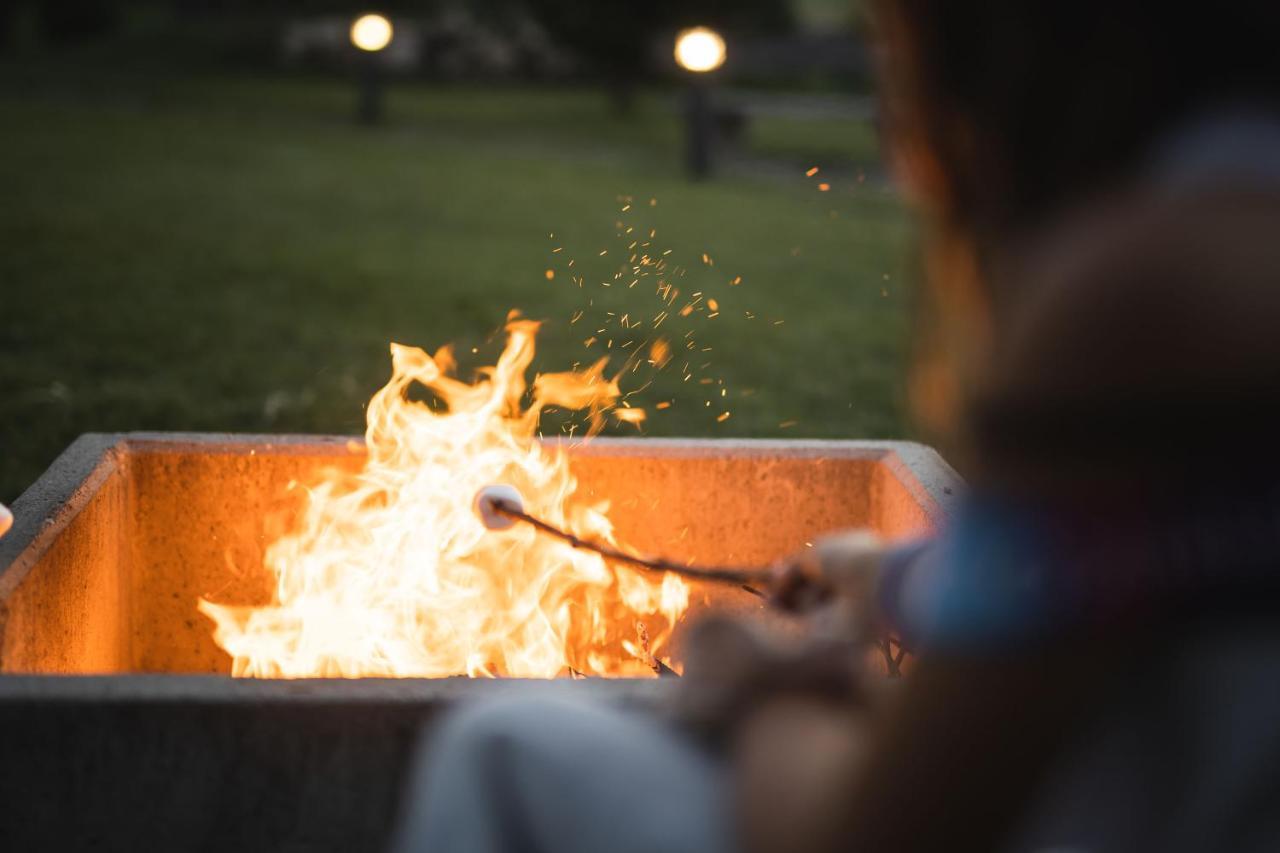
486 505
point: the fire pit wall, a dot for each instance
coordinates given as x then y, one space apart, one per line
119 729
132 530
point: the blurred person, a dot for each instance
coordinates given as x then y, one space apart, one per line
1097 645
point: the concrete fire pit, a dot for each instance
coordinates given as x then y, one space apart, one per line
120 724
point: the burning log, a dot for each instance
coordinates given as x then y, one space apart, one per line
893 653
659 668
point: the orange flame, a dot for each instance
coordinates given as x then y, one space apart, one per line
390 573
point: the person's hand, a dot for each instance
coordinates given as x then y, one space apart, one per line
732 667
844 565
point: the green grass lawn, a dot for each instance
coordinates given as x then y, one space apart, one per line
222 254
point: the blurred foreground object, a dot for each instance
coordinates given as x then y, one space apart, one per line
848 561
6 519
700 51
370 34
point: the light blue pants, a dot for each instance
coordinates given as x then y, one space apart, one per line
552 773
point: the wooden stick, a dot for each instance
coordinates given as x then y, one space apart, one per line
743 577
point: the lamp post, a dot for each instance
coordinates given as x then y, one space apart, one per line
699 51
370 34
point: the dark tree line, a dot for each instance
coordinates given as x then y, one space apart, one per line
616 39
612 39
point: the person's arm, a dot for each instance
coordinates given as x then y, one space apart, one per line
858 567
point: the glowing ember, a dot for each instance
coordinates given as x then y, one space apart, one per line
390 573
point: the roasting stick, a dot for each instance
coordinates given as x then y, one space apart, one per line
500 506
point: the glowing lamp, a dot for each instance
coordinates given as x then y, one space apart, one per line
371 33
700 49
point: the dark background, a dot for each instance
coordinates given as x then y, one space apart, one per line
197 234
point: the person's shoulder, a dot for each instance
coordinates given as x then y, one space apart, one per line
1143 325
1137 237
1168 292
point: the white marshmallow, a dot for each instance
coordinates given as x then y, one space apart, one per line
6 519
491 494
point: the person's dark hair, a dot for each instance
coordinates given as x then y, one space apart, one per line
1002 115
1024 107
